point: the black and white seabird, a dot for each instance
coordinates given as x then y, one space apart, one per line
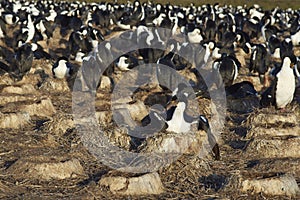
177 119
23 59
91 73
274 45
242 97
167 59
10 18
127 62
204 125
39 52
285 83
259 62
227 67
203 53
210 29
62 68
281 91
194 34
286 48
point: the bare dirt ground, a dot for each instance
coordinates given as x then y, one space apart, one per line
42 156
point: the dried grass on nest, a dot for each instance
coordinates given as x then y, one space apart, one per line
183 177
272 117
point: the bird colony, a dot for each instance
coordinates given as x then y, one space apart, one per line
251 55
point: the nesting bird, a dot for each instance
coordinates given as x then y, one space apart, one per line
62 68
227 68
126 62
242 97
212 34
177 119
